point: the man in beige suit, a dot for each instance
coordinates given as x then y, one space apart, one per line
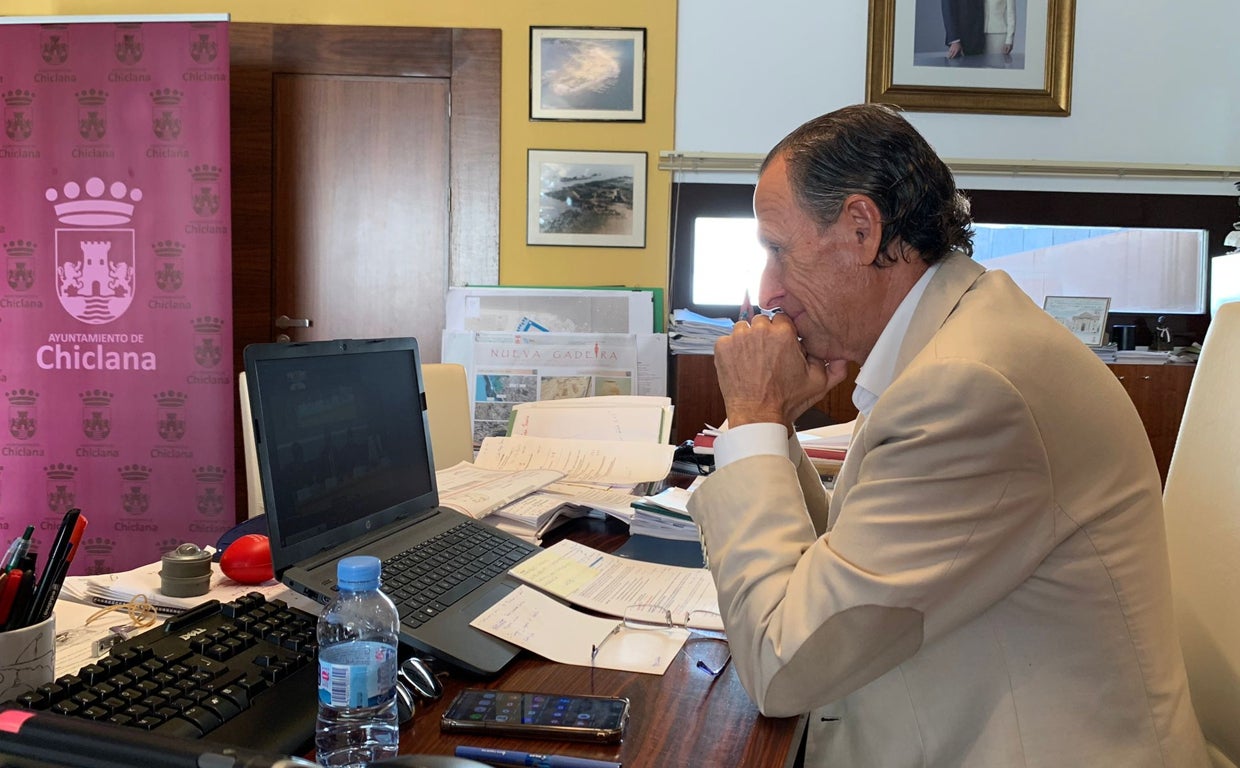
987 585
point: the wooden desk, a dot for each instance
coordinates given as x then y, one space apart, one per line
684 718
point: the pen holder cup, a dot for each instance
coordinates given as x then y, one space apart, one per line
27 658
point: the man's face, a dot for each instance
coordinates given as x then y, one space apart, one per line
818 277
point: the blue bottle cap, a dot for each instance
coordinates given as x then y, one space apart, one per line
358 573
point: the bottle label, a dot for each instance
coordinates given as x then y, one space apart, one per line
357 674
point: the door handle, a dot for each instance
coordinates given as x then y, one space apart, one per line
284 321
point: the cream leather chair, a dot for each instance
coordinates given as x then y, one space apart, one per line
1202 503
447 410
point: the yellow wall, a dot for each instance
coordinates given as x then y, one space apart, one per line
519 264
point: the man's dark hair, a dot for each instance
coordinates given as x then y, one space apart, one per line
870 149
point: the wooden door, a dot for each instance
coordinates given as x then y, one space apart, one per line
361 211
307 102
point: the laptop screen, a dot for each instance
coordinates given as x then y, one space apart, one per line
342 440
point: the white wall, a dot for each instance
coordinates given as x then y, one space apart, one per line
1152 82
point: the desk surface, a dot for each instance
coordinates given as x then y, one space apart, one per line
683 718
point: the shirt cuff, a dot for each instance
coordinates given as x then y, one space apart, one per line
763 439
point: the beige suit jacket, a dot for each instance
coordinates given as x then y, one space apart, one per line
988 583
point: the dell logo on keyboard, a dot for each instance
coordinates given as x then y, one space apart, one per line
193 633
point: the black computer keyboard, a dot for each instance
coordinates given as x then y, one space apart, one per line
241 673
426 579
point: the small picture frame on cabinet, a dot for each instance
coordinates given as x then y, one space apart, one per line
1085 316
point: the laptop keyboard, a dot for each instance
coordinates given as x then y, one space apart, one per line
240 673
428 578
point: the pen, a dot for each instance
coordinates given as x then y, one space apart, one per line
8 596
513 757
45 600
55 556
17 549
746 308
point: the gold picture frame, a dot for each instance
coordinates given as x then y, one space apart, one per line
907 62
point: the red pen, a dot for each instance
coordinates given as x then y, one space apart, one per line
8 594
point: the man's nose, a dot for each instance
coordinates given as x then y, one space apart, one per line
770 289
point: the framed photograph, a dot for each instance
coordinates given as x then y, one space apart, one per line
587 198
587 73
936 55
1085 316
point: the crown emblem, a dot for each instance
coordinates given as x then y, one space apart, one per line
134 473
205 172
23 422
96 397
167 545
22 397
60 471
208 324
20 273
135 499
92 97
209 474
171 399
95 210
98 545
166 97
169 249
18 98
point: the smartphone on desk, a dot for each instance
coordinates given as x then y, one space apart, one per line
600 719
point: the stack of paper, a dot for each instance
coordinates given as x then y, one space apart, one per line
627 418
478 491
694 334
1141 357
665 515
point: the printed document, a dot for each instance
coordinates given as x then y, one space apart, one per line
608 584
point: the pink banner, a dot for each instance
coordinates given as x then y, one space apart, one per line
116 314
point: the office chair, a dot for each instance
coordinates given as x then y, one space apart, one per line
1202 509
447 410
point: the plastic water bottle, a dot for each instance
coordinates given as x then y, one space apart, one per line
357 636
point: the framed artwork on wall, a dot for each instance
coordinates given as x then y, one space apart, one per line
1085 316
937 56
586 198
588 74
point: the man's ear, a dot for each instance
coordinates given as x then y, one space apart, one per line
865 225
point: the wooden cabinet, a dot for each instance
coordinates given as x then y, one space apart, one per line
1159 392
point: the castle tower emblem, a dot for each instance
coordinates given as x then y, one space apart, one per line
169 275
23 413
18 116
170 415
166 113
203 47
207 351
96 261
205 189
135 489
61 487
209 499
96 414
54 44
127 43
20 272
92 114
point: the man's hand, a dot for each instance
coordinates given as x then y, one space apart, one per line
765 375
954 50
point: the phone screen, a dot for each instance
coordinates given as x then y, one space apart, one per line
537 713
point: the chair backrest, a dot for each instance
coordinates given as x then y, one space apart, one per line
447 410
253 485
1202 503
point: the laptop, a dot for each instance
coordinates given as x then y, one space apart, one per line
346 468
